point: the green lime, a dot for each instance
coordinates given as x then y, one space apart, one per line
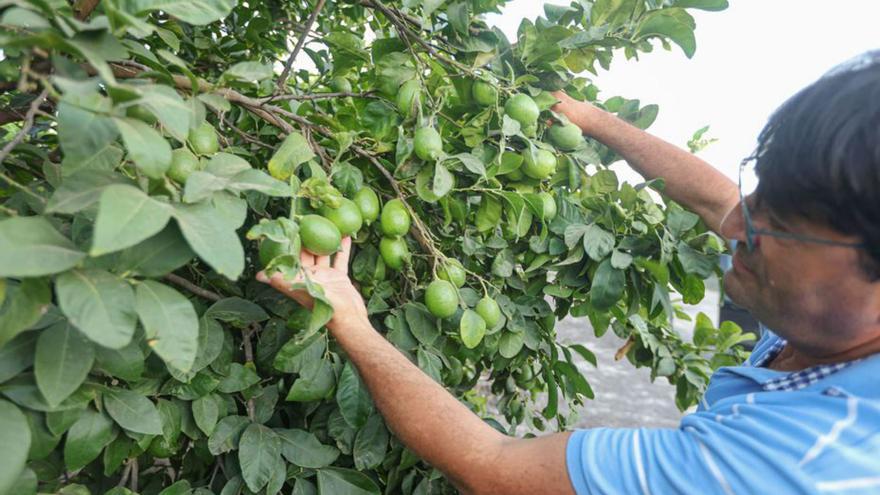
522 108
269 250
488 309
340 84
524 375
141 113
319 235
540 165
368 202
160 448
452 271
408 96
347 217
203 139
441 298
549 203
427 143
395 219
484 93
183 163
565 137
394 252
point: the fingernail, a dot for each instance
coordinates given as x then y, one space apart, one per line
261 277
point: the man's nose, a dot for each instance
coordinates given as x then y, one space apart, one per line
733 226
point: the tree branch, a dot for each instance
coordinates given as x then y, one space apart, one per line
317 96
195 289
299 44
19 137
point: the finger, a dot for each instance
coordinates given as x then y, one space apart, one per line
306 258
322 261
342 257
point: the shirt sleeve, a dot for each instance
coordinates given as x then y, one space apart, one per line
642 461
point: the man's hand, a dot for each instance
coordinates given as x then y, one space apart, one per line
577 112
348 305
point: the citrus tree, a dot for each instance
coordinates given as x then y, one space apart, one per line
159 153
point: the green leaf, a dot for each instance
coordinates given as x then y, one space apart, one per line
86 439
146 147
472 329
31 247
170 323
196 12
157 256
421 323
240 312
340 481
15 437
370 444
126 363
510 344
17 355
489 213
303 449
62 361
211 238
226 434
314 383
81 190
205 413
607 287
167 105
133 411
598 242
210 343
695 262
293 152
126 216
248 71
239 378
713 5
673 23
258 452
353 398
99 304
84 130
23 307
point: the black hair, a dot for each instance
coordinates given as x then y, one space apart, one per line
818 157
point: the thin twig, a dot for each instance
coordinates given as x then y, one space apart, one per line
134 475
195 289
318 96
125 474
625 348
19 137
299 44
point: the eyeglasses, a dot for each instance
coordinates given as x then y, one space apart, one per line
753 232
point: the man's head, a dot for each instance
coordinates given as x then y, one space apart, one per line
818 165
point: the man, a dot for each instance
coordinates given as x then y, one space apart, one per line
801 416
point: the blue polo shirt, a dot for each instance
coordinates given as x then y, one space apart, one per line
757 430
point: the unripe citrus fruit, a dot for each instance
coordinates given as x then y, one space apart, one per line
269 250
183 163
319 235
488 309
549 205
203 139
522 108
347 217
427 143
441 298
539 165
452 271
340 84
407 96
394 252
367 201
395 219
565 137
484 93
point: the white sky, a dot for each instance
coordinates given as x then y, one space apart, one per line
749 59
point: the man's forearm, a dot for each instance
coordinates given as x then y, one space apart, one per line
690 181
427 418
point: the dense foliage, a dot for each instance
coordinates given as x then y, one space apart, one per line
159 153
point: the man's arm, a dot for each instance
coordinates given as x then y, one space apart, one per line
690 181
423 415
